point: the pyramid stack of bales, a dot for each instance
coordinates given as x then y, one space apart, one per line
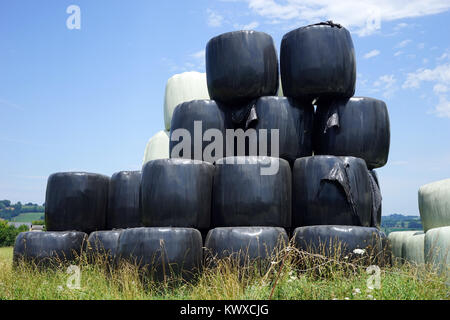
324 189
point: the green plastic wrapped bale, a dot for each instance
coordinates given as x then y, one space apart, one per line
397 239
434 204
181 88
437 249
413 248
157 147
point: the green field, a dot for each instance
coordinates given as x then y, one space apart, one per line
28 217
330 279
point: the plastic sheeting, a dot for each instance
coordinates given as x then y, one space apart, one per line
318 61
397 239
413 248
330 190
294 121
162 252
437 249
47 249
376 199
332 240
157 147
357 127
242 196
434 204
76 201
210 115
177 193
103 244
183 87
244 244
241 66
124 200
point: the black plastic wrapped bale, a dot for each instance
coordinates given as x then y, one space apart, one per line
357 127
241 66
124 200
339 241
76 201
177 193
252 191
49 249
162 253
376 198
293 119
318 61
102 245
329 190
244 245
208 115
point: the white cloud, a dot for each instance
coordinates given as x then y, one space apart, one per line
251 26
443 108
214 19
387 84
440 74
362 17
402 44
371 54
398 53
199 55
440 77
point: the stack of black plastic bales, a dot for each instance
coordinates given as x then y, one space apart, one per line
336 193
157 218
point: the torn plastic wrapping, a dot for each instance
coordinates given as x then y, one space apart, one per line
245 244
181 88
209 114
162 253
47 249
124 205
76 201
243 196
357 127
434 204
177 193
318 61
330 190
294 122
332 240
241 66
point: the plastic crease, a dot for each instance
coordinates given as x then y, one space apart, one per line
338 174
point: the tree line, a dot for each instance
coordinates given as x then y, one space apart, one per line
10 210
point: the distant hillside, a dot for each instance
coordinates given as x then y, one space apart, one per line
399 222
12 212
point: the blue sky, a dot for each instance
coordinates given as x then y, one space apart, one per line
90 99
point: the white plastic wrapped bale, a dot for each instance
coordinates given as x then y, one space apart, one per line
437 249
181 88
413 248
434 204
397 239
157 147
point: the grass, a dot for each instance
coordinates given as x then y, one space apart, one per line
28 217
290 275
